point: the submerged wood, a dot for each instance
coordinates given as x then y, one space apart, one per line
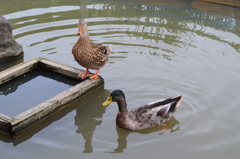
234 3
18 70
40 112
220 9
4 123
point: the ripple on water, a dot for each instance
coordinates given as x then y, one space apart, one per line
158 52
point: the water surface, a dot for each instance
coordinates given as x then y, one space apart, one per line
160 50
31 89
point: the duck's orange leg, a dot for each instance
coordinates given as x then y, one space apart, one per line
85 74
164 127
94 76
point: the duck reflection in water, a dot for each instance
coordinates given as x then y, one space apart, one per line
88 117
169 126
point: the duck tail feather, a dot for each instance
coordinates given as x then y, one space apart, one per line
175 103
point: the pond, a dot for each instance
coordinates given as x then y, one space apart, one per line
160 49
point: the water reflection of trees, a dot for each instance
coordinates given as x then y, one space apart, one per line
155 16
168 25
163 14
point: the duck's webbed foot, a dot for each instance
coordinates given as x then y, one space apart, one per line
84 75
95 76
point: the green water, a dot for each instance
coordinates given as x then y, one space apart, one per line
160 49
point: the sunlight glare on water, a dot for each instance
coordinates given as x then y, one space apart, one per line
160 50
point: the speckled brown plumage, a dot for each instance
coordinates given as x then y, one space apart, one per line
147 116
88 54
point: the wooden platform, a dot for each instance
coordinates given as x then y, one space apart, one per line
234 3
29 118
219 7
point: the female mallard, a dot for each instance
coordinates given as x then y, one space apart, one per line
147 116
88 54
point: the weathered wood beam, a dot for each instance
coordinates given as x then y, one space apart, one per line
42 111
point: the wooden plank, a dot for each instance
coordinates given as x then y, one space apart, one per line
5 124
18 70
41 111
234 3
28 133
60 68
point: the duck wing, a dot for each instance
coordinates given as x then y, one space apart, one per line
101 51
165 107
162 108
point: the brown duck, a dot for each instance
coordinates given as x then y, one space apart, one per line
146 116
88 54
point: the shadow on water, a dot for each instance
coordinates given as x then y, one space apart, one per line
10 63
171 126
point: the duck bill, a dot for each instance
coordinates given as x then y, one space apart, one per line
107 102
80 30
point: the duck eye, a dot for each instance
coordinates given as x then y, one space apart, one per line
119 94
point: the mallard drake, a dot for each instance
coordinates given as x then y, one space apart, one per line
147 116
88 54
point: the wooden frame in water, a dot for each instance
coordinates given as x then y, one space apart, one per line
26 119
